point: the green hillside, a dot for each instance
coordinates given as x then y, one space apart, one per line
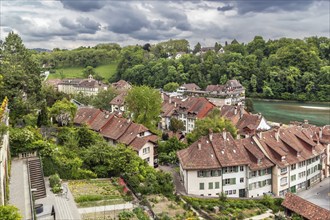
105 71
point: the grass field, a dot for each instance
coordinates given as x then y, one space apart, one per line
106 71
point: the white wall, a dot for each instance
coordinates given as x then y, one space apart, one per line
149 155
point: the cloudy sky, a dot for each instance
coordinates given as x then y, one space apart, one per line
73 23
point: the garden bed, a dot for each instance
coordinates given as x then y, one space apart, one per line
98 192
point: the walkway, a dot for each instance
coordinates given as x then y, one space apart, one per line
19 195
65 207
268 214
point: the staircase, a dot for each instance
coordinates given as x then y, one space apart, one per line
37 178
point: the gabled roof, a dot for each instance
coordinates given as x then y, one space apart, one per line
121 85
132 132
191 86
115 128
168 109
233 83
250 121
119 99
305 208
139 142
215 88
233 113
212 152
257 159
94 118
197 106
289 142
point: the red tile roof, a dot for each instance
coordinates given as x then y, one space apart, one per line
94 118
115 128
215 88
197 107
290 142
217 151
233 113
119 99
305 208
191 86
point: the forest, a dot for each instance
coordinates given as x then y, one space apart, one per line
288 69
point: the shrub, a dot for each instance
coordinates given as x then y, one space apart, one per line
54 180
88 198
125 215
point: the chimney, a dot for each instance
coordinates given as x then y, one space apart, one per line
306 121
235 111
210 134
277 135
199 144
321 130
174 104
224 134
170 100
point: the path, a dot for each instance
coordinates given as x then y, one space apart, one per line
65 207
19 195
268 214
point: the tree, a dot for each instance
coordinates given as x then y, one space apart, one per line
9 212
144 103
21 76
89 70
197 48
176 125
171 87
103 98
216 124
167 150
249 105
43 116
63 111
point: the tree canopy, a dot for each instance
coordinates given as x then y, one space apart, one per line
144 103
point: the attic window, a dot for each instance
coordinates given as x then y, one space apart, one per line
234 151
283 158
222 152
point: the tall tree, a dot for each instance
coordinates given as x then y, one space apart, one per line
197 48
145 105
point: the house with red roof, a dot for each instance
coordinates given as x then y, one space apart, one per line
118 103
191 109
116 129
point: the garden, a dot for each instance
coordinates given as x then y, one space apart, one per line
99 192
225 208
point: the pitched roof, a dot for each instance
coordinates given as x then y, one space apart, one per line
233 113
121 85
215 88
115 128
305 208
257 159
250 121
168 109
139 142
233 83
94 118
211 152
132 132
191 86
198 106
119 99
289 142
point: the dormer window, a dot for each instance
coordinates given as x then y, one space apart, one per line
259 161
283 158
284 170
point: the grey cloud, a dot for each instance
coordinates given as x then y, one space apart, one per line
226 8
81 25
84 5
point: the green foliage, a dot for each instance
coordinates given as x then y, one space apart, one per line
140 214
88 198
20 73
103 98
249 105
9 212
171 87
125 215
145 105
63 111
176 125
43 118
167 150
215 123
54 180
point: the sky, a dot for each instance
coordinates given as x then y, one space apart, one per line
72 23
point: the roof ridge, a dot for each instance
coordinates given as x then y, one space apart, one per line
213 148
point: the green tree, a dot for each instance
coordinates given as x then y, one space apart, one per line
216 124
63 111
103 98
176 125
197 48
171 87
21 76
144 103
249 105
43 118
9 212
167 150
89 70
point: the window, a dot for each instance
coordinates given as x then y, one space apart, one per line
230 181
293 178
230 169
284 170
234 191
146 150
293 166
201 186
215 172
301 164
210 185
302 174
241 168
284 180
217 185
253 174
241 180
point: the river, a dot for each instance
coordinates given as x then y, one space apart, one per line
284 112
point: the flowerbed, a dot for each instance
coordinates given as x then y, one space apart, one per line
98 192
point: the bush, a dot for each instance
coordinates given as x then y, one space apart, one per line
54 180
88 198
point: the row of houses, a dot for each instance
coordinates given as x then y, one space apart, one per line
118 130
276 161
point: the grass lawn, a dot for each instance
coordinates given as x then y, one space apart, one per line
105 71
99 192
